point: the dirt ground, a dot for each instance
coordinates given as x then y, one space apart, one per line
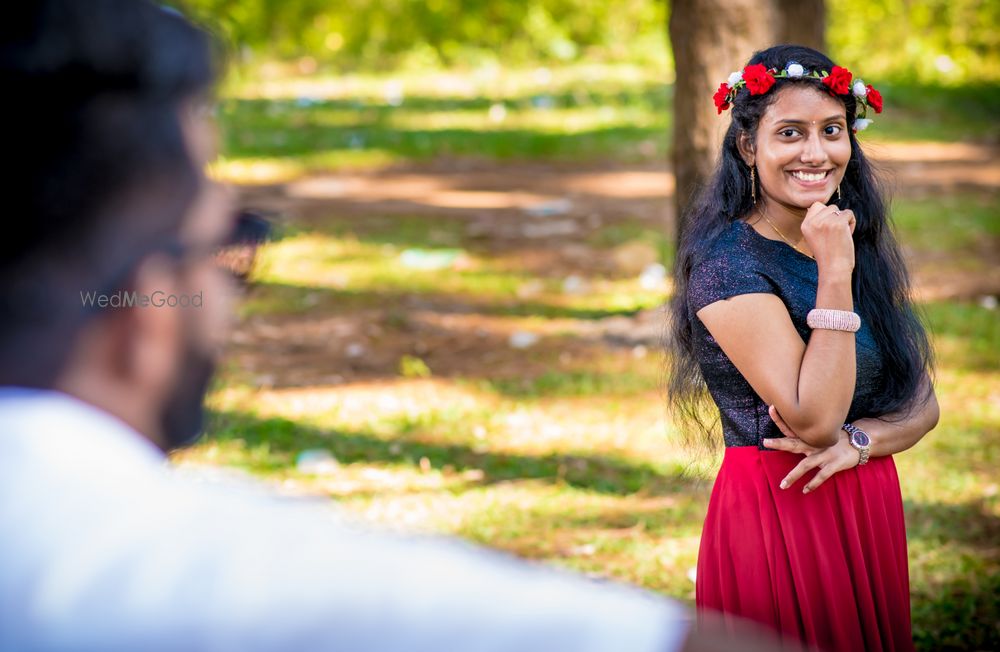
537 218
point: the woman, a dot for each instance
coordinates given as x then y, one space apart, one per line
792 309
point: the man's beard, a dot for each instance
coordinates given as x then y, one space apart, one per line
183 418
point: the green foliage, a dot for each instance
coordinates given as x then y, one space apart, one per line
421 33
935 41
932 41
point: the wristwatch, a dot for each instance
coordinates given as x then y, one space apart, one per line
860 440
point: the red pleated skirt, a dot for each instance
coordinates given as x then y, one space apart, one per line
827 568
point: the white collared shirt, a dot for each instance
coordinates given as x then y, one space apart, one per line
103 546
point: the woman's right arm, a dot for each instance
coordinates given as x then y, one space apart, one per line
811 386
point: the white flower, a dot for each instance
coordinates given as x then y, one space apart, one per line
859 88
795 70
734 78
861 124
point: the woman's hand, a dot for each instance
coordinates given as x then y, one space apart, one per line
839 457
828 230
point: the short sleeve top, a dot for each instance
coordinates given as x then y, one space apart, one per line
742 261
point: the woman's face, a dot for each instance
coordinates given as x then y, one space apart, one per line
802 147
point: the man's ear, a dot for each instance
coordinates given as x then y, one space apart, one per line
125 360
746 148
151 346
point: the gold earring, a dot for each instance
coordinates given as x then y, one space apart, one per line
753 183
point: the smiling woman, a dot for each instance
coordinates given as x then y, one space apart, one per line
792 309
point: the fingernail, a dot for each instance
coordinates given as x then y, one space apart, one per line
784 484
806 490
767 442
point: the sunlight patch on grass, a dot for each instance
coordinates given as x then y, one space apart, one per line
567 120
478 84
351 265
262 170
649 541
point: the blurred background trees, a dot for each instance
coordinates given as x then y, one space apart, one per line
407 33
891 38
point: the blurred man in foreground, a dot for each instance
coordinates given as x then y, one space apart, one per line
112 310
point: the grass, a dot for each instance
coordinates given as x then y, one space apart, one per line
343 271
281 129
947 223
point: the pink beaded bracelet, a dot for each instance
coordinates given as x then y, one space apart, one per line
834 320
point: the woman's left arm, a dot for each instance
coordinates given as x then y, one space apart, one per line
891 437
888 436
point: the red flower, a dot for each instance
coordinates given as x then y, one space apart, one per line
874 99
758 79
839 81
720 97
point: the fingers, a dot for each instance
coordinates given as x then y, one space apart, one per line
778 421
851 220
827 219
789 445
816 208
831 461
838 215
822 476
829 232
818 213
801 469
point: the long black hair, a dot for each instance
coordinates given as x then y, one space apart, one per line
880 281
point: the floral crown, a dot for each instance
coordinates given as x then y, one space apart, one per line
759 80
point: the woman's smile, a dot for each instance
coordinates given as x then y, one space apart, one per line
810 178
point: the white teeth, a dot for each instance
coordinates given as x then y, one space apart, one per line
805 176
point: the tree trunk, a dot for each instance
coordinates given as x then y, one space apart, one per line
803 23
710 39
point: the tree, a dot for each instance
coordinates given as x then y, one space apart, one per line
803 22
710 39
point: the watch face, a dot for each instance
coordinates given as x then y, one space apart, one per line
860 439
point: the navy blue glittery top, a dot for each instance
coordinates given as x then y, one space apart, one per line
742 261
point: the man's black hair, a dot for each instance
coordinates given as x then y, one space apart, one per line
97 170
